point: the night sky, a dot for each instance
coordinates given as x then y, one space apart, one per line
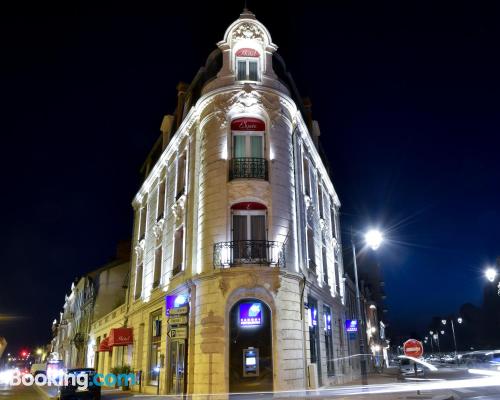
406 94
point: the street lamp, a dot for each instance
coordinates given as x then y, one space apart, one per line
459 320
491 274
373 239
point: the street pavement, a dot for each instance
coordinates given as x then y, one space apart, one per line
461 389
18 393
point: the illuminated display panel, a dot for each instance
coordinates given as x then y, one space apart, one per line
250 314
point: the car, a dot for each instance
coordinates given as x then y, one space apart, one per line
408 367
75 391
482 359
72 389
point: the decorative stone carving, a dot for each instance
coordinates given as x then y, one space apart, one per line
139 251
158 228
223 286
248 31
178 209
251 280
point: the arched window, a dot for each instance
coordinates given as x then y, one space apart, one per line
249 230
247 64
248 149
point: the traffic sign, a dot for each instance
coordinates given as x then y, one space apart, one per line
413 348
179 310
180 320
178 333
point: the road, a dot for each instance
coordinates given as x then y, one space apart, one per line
18 392
476 389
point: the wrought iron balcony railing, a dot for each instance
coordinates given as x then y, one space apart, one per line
242 252
248 168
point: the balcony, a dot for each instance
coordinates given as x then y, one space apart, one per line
248 252
248 168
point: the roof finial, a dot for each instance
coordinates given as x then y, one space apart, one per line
245 6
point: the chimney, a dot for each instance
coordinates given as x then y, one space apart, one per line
181 94
166 129
315 133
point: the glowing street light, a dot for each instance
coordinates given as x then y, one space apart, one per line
374 238
491 274
460 320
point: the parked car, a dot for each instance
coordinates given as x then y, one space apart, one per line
75 391
408 367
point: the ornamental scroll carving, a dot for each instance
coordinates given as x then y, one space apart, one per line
248 31
246 100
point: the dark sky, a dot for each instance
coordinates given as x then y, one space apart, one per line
406 93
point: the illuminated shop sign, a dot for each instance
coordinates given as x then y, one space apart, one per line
250 314
351 325
175 301
313 317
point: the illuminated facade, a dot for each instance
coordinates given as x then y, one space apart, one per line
237 236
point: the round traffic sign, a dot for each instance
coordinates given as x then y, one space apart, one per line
413 348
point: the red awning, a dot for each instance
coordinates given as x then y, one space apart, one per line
248 124
247 52
248 205
120 337
104 346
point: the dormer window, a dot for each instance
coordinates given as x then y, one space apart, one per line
247 64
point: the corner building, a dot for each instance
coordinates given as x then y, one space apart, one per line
237 236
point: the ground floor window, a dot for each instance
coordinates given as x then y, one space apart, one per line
155 349
327 329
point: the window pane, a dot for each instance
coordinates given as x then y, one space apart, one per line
252 70
258 227
256 147
239 227
242 70
239 146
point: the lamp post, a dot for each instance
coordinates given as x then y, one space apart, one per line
491 274
459 320
373 239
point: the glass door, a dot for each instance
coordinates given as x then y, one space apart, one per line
177 358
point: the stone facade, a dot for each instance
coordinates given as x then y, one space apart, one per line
281 250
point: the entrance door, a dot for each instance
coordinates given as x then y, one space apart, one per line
250 352
177 364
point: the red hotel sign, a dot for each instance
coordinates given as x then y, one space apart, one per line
246 52
120 337
248 124
104 345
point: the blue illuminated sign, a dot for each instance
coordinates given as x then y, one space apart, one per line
174 301
351 325
250 314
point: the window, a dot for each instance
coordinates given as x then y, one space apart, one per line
337 277
249 234
307 177
138 281
333 225
142 220
310 249
158 263
325 266
247 69
181 176
320 201
248 159
161 200
313 329
178 250
155 350
327 329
